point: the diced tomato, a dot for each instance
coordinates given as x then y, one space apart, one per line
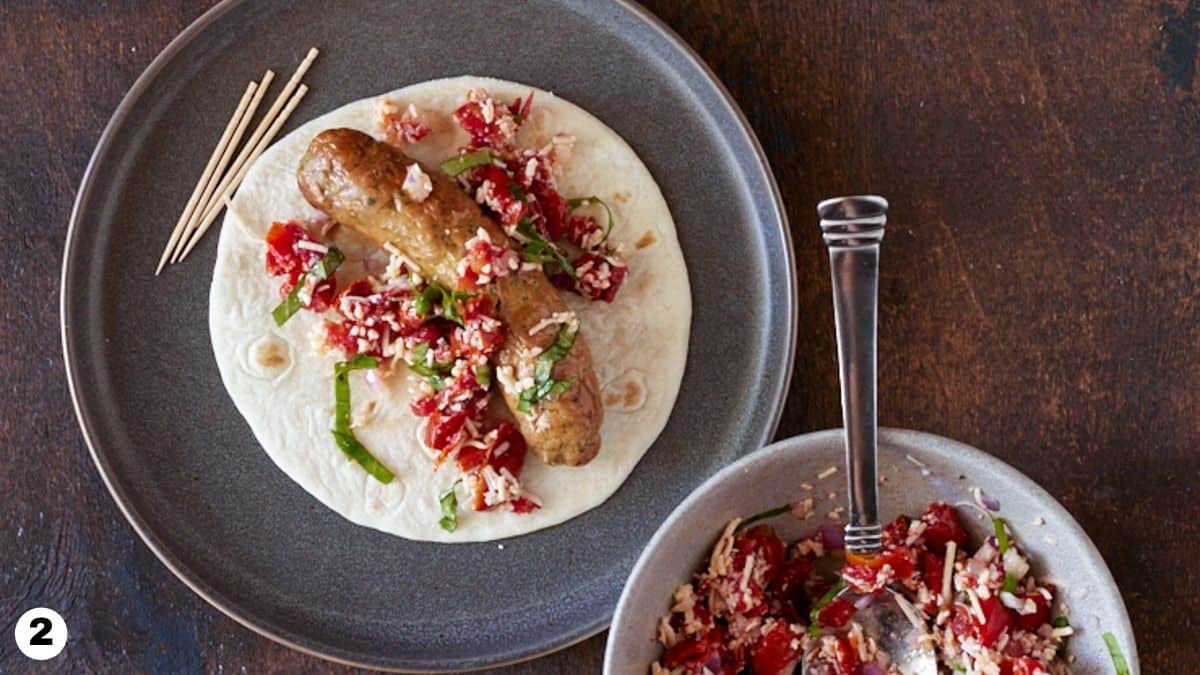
584 231
483 335
932 567
513 456
774 653
699 651
488 123
337 335
470 457
282 255
847 657
521 108
486 262
942 526
761 542
792 575
998 619
552 209
788 588
523 505
1022 665
498 196
867 574
370 318
598 277
896 532
837 613
1031 622
286 258
444 429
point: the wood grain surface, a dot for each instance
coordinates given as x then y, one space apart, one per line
1040 286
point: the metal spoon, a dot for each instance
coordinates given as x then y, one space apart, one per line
852 228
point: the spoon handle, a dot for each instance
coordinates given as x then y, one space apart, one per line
852 228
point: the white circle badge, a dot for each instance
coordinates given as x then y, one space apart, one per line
41 633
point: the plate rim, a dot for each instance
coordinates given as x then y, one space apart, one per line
167 558
891 436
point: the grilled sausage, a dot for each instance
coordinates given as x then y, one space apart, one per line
358 182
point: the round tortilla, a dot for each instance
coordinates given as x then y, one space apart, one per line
282 380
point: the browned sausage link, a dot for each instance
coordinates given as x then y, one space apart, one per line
358 182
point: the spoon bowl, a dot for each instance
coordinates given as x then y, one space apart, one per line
917 468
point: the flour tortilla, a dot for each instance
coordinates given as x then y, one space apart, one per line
282 383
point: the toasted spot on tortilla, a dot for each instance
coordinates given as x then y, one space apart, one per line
268 358
270 354
622 197
647 239
626 392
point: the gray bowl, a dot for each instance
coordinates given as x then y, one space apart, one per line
1060 549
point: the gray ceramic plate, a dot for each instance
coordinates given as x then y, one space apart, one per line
1060 549
185 468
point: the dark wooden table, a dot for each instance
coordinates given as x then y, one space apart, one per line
1041 285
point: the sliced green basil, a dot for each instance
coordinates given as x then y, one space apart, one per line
545 386
433 374
449 503
763 515
469 160
343 435
448 300
483 375
321 270
538 250
355 450
814 615
1118 657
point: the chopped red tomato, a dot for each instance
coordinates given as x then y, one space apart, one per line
584 231
444 429
524 505
836 614
869 574
1031 622
489 124
759 541
941 527
932 568
507 449
551 216
485 262
599 277
496 192
848 662
1022 665
481 335
285 257
370 319
896 532
998 619
776 651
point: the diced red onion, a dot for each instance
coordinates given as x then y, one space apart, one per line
713 664
367 263
873 669
990 502
833 536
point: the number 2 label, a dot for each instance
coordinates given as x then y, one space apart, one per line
41 633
